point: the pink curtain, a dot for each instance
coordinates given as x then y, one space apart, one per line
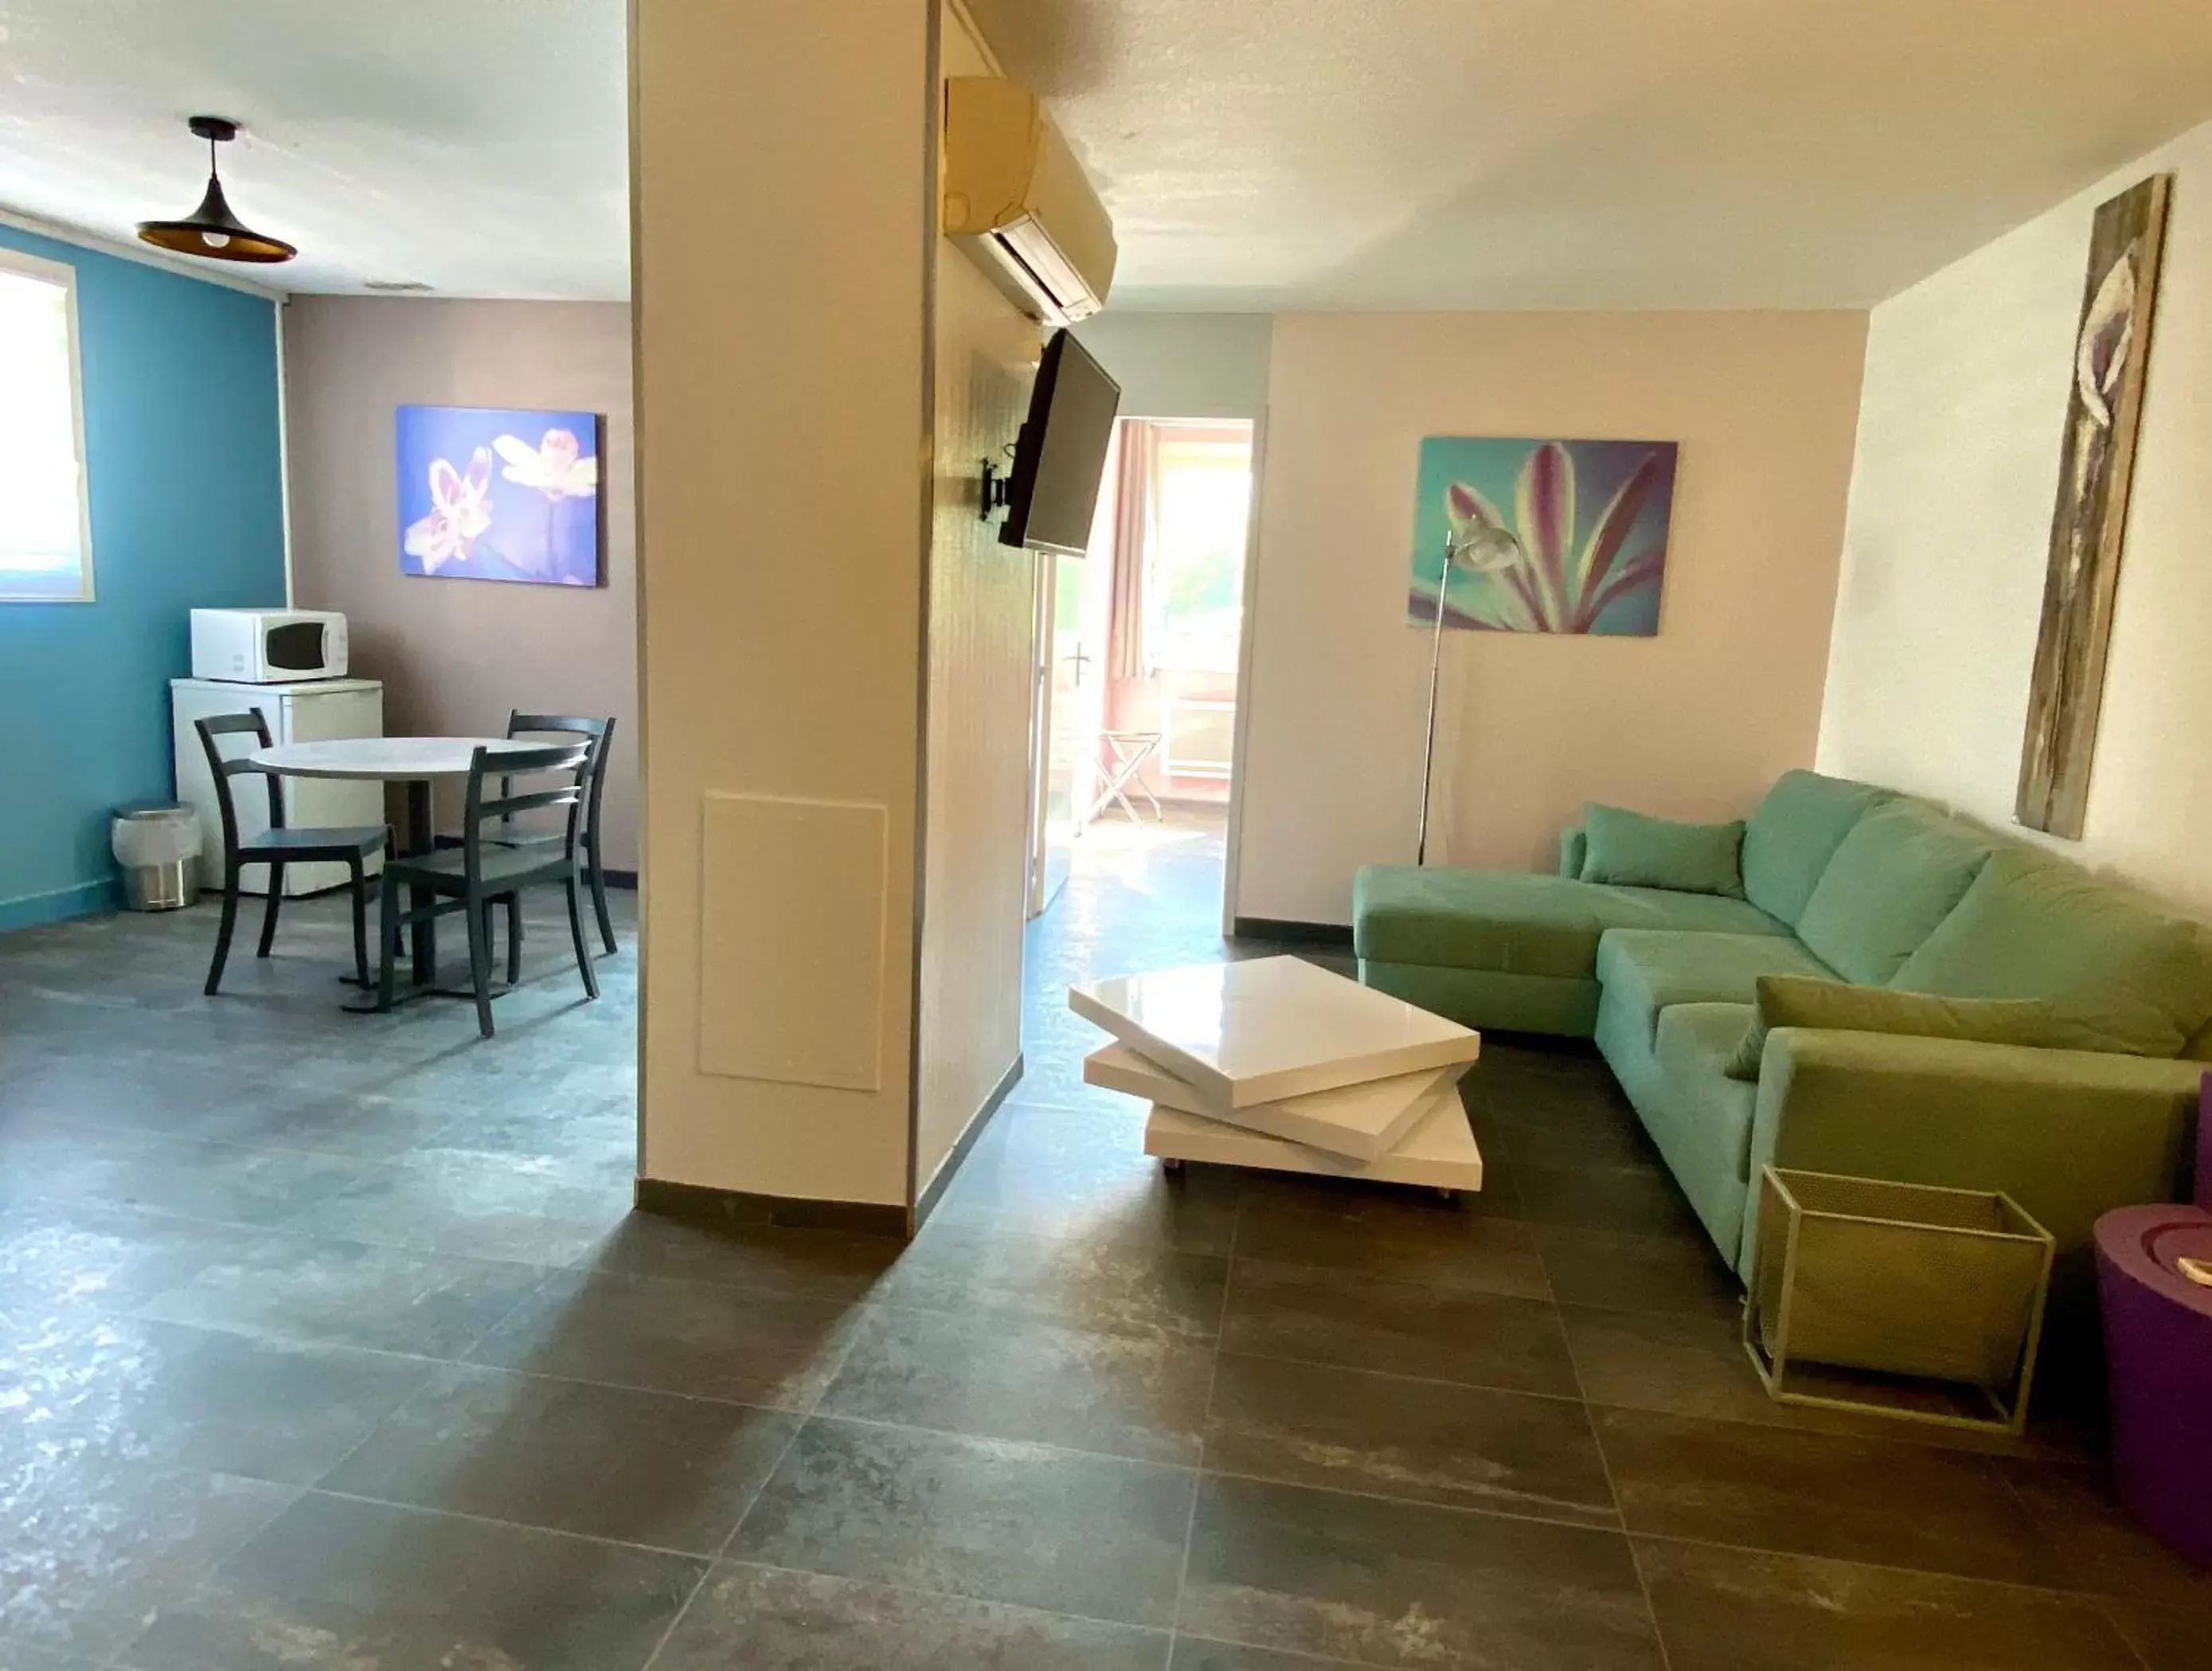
1134 507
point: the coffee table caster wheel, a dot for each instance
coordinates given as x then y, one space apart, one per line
1172 1167
1448 1196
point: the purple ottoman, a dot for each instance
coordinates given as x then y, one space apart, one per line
2158 1346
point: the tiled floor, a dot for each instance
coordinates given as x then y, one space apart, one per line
327 1342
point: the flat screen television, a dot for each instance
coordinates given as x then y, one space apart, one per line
1060 456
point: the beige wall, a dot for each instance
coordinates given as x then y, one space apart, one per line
1966 381
980 598
1184 365
780 205
1691 724
456 656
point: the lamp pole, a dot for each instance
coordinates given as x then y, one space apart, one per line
1482 548
1436 659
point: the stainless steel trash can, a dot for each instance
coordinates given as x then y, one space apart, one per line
158 847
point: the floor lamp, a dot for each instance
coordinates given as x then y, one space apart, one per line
1481 548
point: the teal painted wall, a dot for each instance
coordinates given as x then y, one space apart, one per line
183 456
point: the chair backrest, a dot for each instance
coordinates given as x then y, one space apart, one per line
223 725
602 734
571 761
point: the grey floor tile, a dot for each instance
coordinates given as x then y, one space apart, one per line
530 1210
775 1259
90 1546
989 1519
1724 1609
1142 1396
1573 1130
1423 1440
1641 1198
1622 1271
669 1336
962 1265
347 1293
2098 1545
339 1585
767 1620
608 1462
62 1256
1046 1171
170 1394
229 1182
1402 1235
1821 1494
2164 1638
1196 1653
21 1657
1321 1317
1388 1583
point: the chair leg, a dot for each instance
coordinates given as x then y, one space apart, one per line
222 931
387 939
600 901
514 939
576 933
269 918
479 920
360 891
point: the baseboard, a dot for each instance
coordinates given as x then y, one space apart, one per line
57 905
1293 934
704 1203
926 1203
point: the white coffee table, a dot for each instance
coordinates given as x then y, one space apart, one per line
1277 1062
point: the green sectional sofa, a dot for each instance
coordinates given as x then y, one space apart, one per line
1844 881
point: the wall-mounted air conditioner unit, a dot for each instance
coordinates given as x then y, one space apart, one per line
1015 197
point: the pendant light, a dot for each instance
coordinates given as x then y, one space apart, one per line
211 231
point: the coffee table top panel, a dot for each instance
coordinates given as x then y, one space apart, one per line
1269 1027
1360 1121
1439 1152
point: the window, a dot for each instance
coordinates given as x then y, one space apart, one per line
1194 578
45 540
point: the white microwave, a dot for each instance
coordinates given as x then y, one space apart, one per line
268 646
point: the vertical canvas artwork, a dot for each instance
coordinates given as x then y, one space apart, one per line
495 493
2096 461
1527 535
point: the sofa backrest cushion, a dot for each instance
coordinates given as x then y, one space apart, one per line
2033 926
1832 1006
1893 878
1797 830
1635 850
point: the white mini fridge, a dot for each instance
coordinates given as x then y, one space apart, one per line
310 711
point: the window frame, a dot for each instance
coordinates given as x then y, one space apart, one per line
64 274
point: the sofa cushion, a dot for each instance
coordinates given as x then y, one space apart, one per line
1795 1000
1638 850
1520 923
2034 927
1702 1120
1893 879
1788 842
1646 971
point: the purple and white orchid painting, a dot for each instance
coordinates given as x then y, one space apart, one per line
492 493
1545 536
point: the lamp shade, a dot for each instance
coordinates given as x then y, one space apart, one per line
211 231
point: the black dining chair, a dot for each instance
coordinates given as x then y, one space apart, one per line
486 868
279 846
601 736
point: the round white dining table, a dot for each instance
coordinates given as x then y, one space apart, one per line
415 762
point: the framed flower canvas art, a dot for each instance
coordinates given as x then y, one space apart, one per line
498 493
1529 535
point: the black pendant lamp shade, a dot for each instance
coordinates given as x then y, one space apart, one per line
211 231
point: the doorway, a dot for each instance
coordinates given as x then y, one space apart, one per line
1137 650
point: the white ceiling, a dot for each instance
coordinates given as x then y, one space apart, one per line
1415 154
1255 154
479 145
